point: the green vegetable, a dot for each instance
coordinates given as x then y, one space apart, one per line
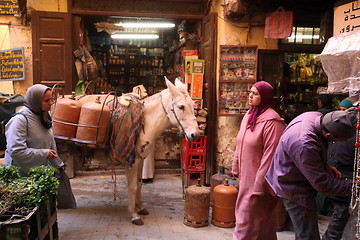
26 192
8 173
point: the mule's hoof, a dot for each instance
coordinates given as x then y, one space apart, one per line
137 221
143 212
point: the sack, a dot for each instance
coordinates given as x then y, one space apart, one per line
7 111
234 9
278 24
2 128
65 196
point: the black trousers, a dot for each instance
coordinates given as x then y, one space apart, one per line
338 220
304 221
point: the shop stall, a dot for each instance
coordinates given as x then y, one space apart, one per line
340 59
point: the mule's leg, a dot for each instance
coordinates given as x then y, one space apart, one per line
133 179
138 203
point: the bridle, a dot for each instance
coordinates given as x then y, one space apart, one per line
176 117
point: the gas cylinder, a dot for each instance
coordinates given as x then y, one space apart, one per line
234 181
223 213
66 112
196 206
93 123
217 179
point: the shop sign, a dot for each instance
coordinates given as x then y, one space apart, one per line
9 7
347 17
12 64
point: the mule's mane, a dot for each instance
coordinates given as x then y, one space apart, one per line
155 97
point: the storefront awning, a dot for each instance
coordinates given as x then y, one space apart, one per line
341 62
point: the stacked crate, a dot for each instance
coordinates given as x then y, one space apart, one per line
193 156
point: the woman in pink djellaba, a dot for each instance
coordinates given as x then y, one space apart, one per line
259 134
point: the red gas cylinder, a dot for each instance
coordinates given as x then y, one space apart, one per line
196 206
93 123
223 213
66 112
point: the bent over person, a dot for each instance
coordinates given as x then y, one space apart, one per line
299 170
256 142
341 155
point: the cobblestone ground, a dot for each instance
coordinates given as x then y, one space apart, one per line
99 217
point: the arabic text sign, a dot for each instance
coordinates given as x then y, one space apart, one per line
12 64
10 7
347 17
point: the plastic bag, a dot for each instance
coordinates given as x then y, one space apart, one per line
65 196
278 24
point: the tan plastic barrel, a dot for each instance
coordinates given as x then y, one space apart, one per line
66 112
93 123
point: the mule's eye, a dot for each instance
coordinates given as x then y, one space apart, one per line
181 107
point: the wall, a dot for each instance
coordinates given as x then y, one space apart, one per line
16 34
235 33
5 86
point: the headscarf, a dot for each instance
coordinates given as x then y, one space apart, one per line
346 103
267 101
33 100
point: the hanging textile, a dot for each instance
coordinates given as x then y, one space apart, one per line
278 24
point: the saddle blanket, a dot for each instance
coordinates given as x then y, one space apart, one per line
127 124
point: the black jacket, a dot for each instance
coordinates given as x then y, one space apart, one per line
341 155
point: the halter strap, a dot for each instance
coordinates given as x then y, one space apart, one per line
167 115
162 104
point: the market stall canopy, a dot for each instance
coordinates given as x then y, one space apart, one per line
341 62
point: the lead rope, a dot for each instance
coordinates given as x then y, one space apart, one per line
355 196
113 176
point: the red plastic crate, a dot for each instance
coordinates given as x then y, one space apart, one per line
191 178
194 154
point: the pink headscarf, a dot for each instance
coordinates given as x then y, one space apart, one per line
267 101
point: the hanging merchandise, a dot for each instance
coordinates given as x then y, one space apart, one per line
235 9
278 24
354 208
86 68
340 59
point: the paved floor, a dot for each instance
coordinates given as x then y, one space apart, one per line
98 217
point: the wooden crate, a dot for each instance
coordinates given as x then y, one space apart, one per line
39 224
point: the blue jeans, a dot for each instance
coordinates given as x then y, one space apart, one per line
304 221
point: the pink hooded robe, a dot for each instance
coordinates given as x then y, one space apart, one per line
256 203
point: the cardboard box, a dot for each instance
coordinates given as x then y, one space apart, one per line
196 85
186 53
195 66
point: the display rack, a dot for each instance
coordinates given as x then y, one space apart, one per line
238 68
305 77
127 66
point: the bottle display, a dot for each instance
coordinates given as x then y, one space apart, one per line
127 65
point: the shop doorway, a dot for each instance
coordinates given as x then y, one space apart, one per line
142 62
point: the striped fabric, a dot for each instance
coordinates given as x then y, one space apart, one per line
127 123
278 24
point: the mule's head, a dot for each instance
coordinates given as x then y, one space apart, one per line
181 112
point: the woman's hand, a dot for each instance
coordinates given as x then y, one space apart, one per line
333 171
52 154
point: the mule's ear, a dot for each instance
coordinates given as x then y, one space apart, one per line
180 85
173 90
